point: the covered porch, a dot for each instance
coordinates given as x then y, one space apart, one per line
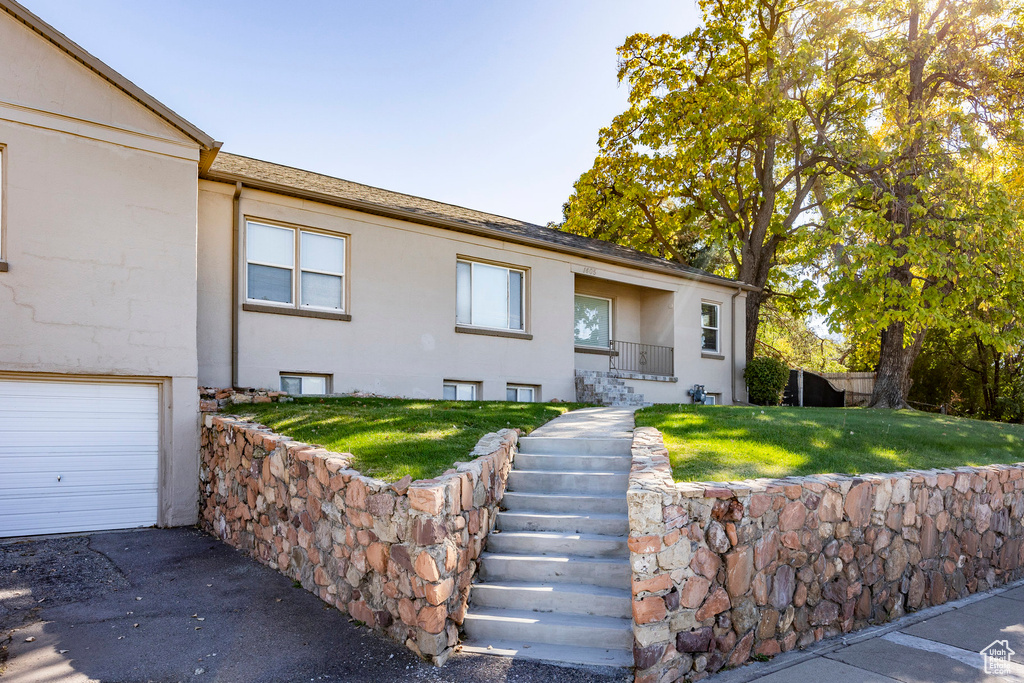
624 330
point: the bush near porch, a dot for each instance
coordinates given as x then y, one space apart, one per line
729 443
392 438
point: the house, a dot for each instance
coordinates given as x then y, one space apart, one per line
137 262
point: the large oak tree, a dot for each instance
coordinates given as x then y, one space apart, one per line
720 150
924 233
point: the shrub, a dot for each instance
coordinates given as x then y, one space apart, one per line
766 380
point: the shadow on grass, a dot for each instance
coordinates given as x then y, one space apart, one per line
390 438
723 443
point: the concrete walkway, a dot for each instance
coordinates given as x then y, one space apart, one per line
591 423
937 645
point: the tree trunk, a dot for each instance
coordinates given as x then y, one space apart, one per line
892 384
753 313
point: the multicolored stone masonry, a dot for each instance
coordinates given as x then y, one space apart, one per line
399 557
726 571
213 400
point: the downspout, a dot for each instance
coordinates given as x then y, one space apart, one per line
732 343
236 222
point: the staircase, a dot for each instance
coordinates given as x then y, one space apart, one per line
554 582
603 388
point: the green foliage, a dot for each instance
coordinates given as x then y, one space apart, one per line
391 438
730 443
921 229
715 160
788 335
766 380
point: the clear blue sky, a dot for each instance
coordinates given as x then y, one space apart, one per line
486 104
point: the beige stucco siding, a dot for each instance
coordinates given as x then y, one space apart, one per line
402 339
100 238
39 77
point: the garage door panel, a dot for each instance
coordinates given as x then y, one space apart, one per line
77 456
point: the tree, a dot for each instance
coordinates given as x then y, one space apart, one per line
921 225
715 154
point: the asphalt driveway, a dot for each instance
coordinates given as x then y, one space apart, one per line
179 605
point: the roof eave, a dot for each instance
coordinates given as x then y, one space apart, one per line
94 64
459 226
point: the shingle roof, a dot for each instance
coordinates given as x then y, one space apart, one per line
287 180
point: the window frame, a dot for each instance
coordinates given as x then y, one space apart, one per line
327 378
296 270
523 387
3 208
717 328
611 321
524 274
456 383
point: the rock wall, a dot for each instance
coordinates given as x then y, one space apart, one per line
725 571
212 400
399 557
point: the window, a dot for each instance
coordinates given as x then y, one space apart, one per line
298 385
709 327
274 255
489 296
711 400
520 394
593 321
460 391
3 235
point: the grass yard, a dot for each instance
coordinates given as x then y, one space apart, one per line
391 438
725 443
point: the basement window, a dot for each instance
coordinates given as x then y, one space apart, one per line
520 393
460 391
306 385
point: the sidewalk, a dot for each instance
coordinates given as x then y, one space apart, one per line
591 423
936 645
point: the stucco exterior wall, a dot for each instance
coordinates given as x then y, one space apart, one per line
402 340
99 235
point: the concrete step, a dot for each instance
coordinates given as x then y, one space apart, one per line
565 598
616 524
552 481
565 655
596 571
552 445
574 462
491 623
567 503
557 543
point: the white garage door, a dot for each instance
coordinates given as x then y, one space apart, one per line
77 456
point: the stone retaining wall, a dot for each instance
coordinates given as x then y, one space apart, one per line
725 571
399 557
212 400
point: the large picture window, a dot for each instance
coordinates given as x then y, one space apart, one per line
294 267
489 296
593 321
709 328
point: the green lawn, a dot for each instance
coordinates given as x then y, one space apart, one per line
391 438
723 443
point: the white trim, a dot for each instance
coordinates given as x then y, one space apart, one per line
717 328
302 376
296 268
456 384
472 263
